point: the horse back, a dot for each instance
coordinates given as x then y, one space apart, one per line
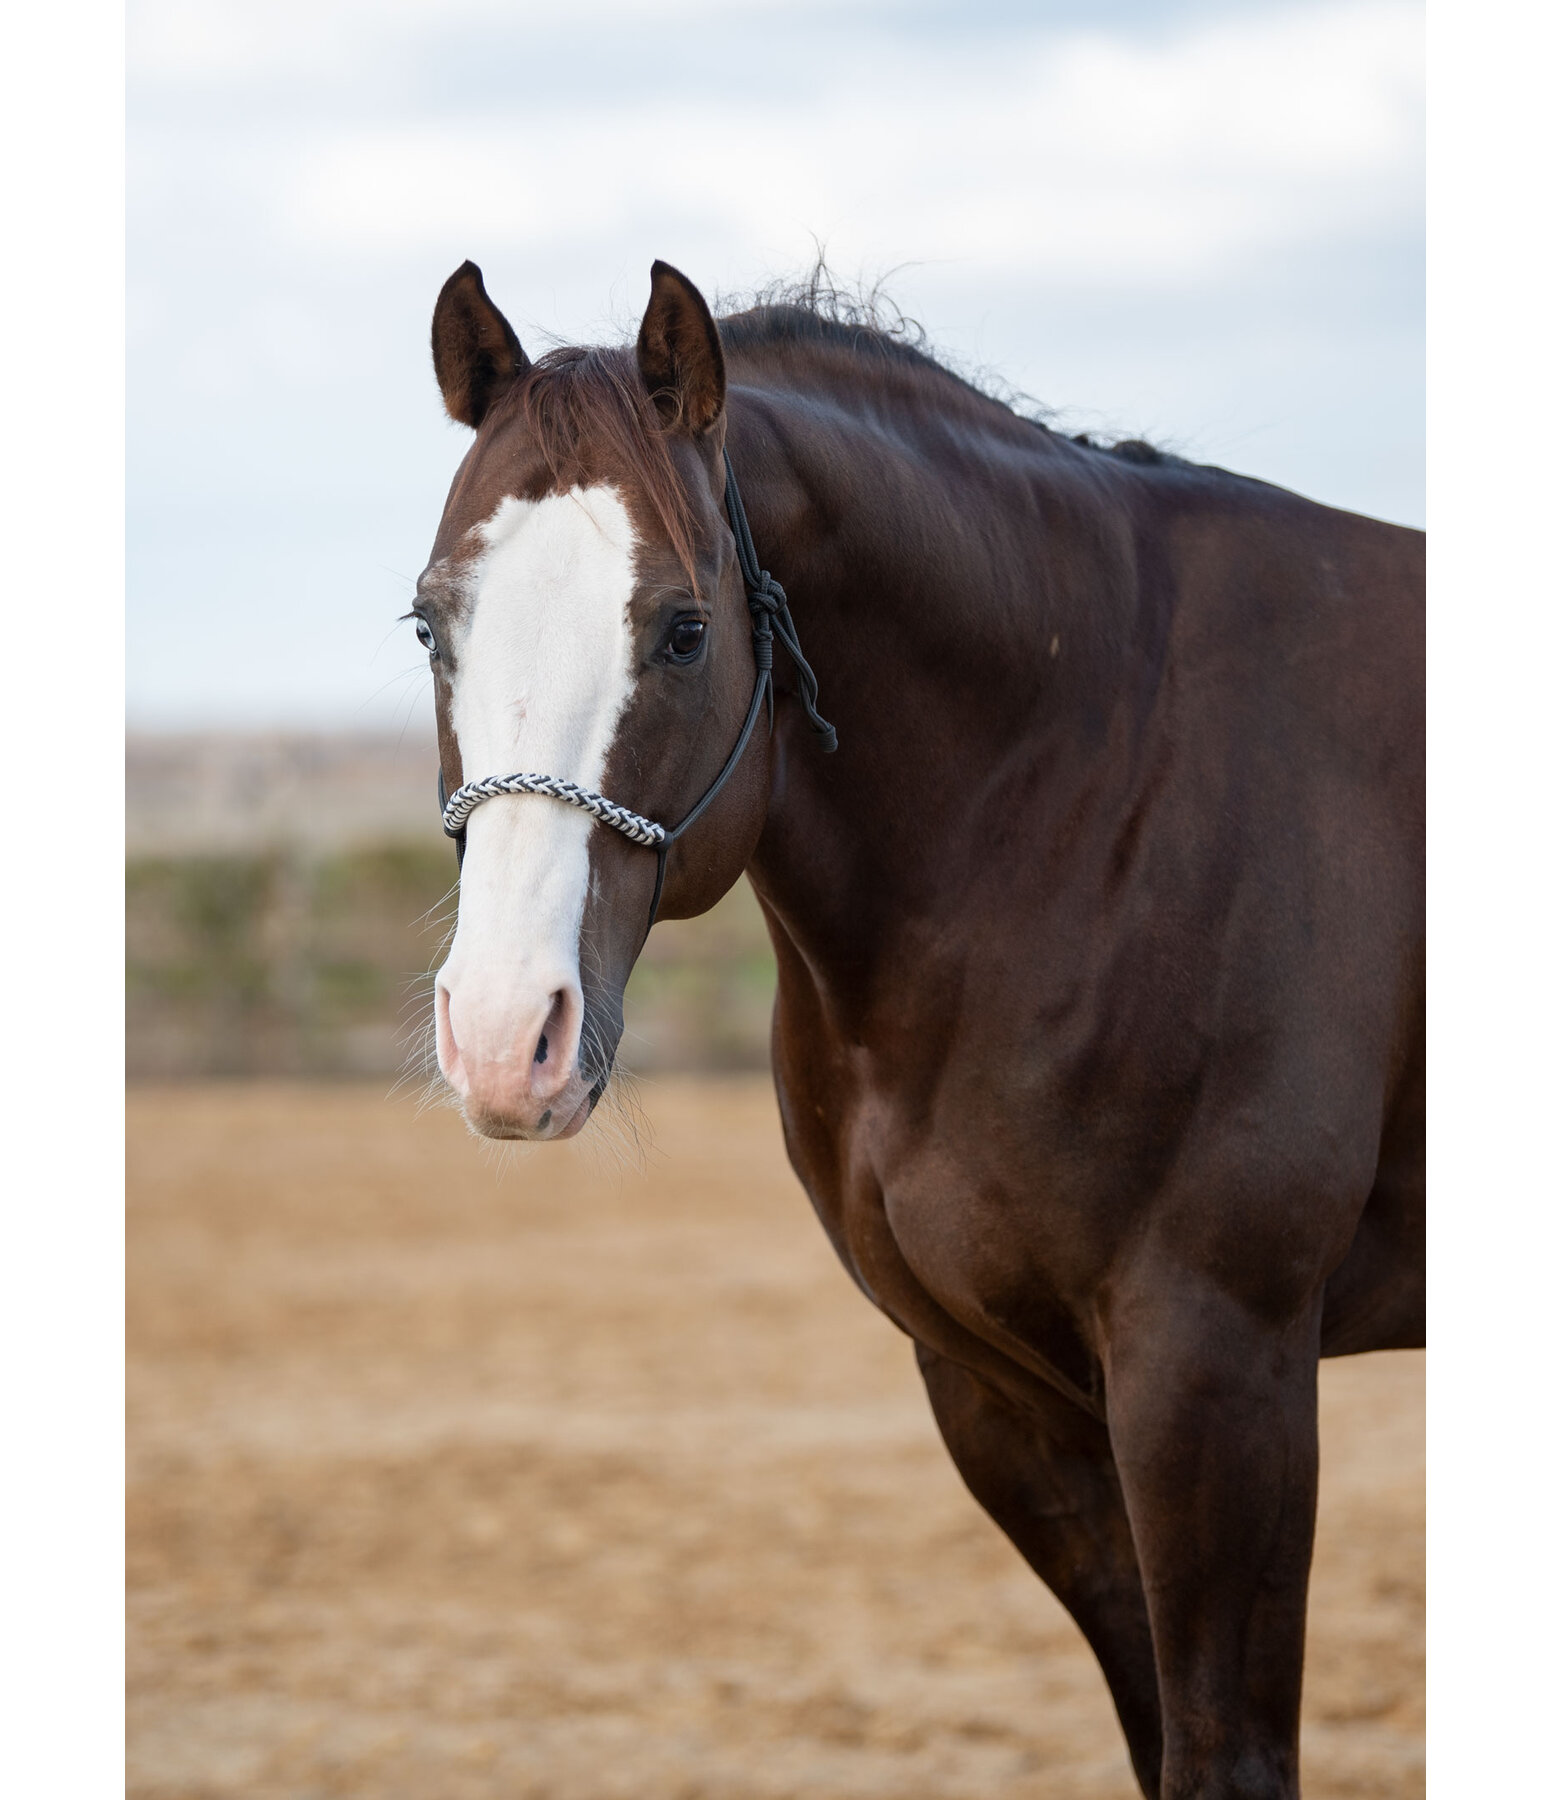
1289 726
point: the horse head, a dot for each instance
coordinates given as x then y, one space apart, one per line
585 616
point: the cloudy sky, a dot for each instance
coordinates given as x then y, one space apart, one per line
1198 220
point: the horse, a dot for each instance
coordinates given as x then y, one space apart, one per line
1098 1033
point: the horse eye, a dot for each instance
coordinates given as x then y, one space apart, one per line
685 639
426 636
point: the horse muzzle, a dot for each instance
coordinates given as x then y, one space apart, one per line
512 1059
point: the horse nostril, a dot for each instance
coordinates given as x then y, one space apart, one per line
554 1026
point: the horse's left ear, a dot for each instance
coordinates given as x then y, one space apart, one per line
679 352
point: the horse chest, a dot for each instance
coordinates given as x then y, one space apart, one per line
940 1245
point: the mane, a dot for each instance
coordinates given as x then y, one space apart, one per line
818 309
575 398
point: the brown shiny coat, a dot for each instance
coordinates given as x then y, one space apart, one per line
1098 1037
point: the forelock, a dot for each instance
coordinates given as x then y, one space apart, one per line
586 410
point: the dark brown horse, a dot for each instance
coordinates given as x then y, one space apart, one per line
1098 1037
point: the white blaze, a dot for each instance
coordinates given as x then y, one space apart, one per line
543 671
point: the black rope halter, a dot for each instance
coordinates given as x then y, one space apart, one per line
770 619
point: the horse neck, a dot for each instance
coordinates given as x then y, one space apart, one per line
966 587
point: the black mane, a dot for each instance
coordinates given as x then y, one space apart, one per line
817 310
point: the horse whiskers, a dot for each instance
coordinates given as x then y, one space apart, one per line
503 1152
620 1132
430 915
613 1132
420 1067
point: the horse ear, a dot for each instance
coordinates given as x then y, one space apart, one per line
475 351
679 352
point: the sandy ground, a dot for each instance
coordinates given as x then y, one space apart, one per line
455 1478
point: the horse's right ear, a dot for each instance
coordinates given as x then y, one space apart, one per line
475 351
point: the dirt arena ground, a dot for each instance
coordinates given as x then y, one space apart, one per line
455 1480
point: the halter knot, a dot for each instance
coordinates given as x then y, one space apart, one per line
768 598
772 619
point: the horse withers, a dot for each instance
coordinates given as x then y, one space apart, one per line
1098 1031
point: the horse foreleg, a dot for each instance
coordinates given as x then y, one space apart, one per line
1049 1481
1212 1412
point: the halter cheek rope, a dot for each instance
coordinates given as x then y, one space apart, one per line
772 619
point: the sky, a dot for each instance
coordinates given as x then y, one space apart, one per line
1198 221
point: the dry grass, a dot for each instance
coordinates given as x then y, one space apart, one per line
456 1482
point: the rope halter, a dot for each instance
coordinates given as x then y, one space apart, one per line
770 618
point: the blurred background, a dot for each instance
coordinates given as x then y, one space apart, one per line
288 893
586 1474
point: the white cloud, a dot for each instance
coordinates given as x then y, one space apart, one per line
222 40
1086 157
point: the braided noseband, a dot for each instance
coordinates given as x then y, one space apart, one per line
454 815
771 618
